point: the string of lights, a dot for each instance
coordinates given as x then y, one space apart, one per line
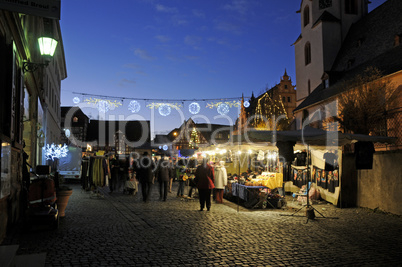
104 103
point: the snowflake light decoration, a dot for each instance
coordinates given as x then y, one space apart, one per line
76 100
246 104
103 106
165 147
194 108
55 151
134 106
223 109
165 110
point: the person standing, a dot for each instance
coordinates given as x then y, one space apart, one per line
145 174
163 174
204 178
180 173
114 173
221 180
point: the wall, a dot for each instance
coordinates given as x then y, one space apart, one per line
381 187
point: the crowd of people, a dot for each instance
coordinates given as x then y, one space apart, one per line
208 178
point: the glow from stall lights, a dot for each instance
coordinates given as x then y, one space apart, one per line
250 151
223 151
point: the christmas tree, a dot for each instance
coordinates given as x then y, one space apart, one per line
194 139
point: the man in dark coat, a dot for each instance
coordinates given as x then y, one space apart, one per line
204 178
144 167
164 172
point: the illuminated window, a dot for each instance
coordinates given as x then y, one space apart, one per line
75 119
306 16
307 53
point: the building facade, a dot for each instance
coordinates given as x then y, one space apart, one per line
30 101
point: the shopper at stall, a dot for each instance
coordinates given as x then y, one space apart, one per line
204 178
163 175
145 174
114 173
221 180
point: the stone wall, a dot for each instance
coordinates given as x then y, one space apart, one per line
381 187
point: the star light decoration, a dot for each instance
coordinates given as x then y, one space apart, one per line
194 108
103 105
223 109
134 106
55 151
76 100
165 108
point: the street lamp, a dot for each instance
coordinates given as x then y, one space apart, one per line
47 48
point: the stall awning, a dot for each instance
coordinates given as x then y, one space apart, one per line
309 136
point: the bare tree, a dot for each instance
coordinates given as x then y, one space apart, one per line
363 105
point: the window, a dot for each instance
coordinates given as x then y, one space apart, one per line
289 99
309 87
307 53
283 99
351 7
75 119
286 86
326 83
325 3
306 16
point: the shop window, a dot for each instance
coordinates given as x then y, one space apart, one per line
306 16
351 7
307 53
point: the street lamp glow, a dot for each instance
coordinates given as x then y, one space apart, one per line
47 46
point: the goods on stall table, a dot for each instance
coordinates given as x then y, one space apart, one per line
267 179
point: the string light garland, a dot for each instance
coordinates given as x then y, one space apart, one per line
105 103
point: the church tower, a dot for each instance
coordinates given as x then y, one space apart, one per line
324 26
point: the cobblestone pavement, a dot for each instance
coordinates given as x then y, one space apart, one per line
121 230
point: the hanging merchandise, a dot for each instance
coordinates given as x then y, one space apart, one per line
194 108
134 106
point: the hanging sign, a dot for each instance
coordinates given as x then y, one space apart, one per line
41 8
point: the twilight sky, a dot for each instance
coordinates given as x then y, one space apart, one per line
177 50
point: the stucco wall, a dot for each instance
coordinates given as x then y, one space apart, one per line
381 187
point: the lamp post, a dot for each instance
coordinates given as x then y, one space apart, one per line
47 48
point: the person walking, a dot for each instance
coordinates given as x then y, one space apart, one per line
180 174
163 174
221 180
145 174
204 178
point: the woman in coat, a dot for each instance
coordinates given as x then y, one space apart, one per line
221 180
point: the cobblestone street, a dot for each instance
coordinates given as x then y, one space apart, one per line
121 230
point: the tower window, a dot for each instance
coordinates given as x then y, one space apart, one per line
307 54
325 3
351 7
306 16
